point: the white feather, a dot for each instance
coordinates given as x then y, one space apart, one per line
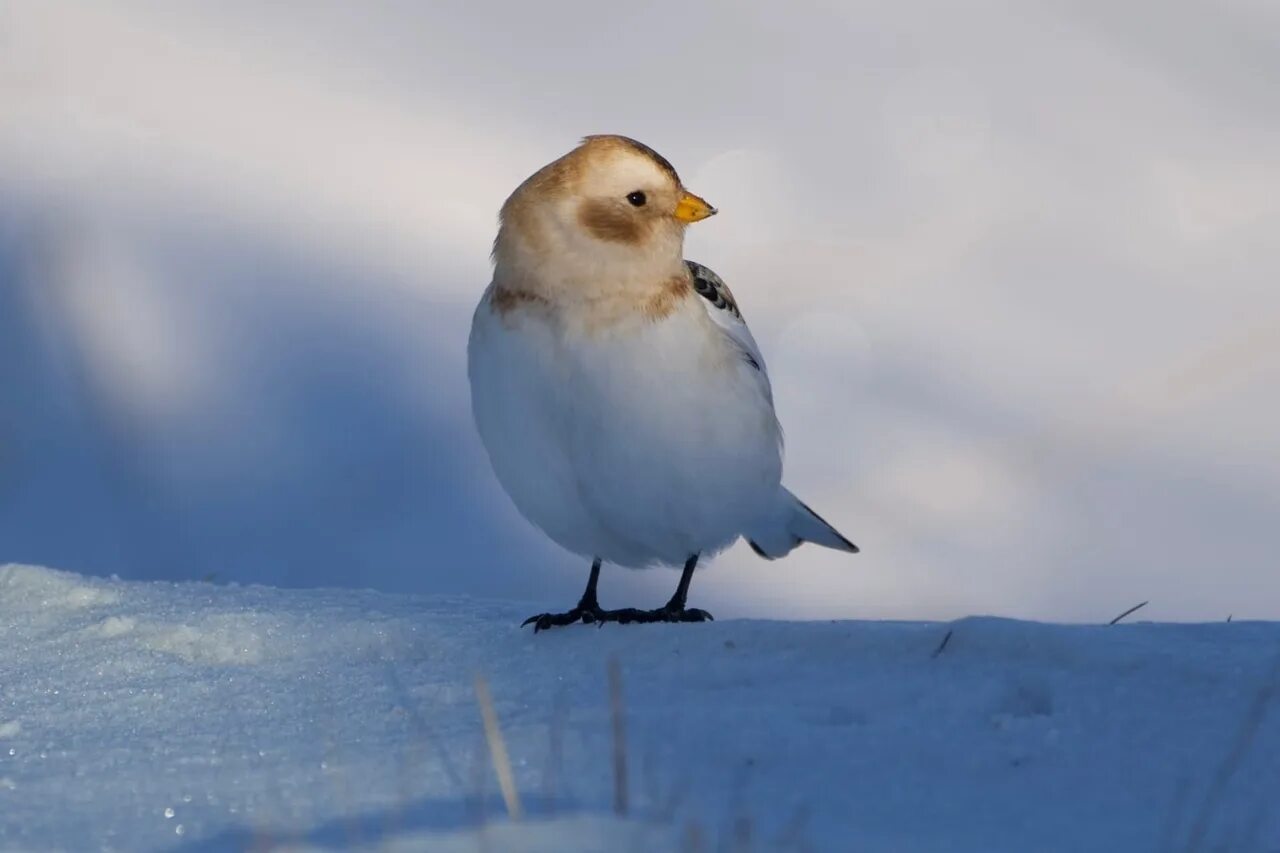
646 443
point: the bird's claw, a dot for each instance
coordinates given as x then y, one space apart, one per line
543 621
694 614
681 614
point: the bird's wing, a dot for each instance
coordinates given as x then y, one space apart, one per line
723 311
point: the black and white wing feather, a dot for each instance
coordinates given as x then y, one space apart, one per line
723 311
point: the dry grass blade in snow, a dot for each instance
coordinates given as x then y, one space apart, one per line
620 794
498 749
1134 609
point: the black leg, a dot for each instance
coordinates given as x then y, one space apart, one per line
588 600
673 611
682 591
587 609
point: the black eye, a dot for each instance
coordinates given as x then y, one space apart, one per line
636 198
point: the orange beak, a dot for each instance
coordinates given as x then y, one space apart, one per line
692 208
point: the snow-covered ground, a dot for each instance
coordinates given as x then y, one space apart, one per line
191 716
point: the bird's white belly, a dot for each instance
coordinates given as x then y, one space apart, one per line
645 443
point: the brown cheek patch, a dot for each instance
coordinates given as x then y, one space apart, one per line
609 222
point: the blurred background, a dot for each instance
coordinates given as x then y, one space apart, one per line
1014 269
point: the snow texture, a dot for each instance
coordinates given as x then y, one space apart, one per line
195 717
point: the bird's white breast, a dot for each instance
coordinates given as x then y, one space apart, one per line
646 440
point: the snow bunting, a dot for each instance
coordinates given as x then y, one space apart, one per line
622 399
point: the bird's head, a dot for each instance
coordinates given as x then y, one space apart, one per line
612 207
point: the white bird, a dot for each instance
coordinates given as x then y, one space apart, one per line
622 399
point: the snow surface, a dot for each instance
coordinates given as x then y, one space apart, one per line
190 716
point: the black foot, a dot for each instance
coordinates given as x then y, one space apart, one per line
668 613
585 615
625 616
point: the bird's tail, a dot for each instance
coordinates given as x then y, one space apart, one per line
792 524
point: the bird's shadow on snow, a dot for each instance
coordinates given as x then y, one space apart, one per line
330 443
455 815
